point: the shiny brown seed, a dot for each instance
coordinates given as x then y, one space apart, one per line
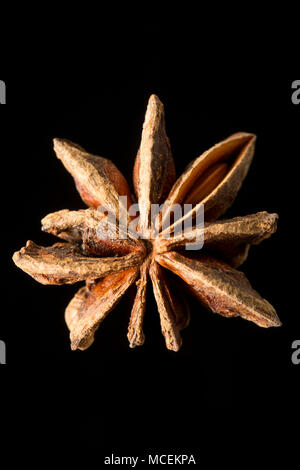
207 183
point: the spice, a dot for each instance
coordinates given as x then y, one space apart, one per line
110 260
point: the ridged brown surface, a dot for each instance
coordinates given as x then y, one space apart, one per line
169 327
92 304
154 169
65 224
230 237
102 252
98 235
221 288
97 179
63 263
135 334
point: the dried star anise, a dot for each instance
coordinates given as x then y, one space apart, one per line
110 262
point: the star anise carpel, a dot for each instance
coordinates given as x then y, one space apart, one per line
110 257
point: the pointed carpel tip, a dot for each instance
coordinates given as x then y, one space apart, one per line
58 144
153 96
252 136
273 218
248 135
154 101
16 256
63 148
57 141
154 111
278 322
66 145
275 321
174 347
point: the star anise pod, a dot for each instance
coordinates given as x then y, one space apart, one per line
112 260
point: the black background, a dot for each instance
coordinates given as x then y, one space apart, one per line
232 382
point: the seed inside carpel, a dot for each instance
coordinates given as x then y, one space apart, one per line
113 258
207 182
